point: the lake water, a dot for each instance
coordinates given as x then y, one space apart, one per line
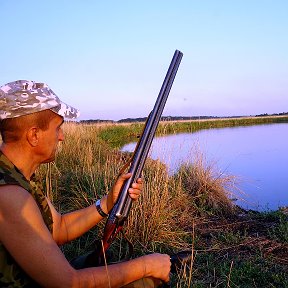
257 155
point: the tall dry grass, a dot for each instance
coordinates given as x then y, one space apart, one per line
163 218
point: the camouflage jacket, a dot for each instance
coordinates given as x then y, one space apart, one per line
11 275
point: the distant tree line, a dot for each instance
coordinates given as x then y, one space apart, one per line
275 114
143 119
166 118
96 121
174 118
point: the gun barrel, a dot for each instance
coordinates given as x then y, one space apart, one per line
123 204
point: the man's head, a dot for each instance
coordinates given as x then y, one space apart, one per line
24 103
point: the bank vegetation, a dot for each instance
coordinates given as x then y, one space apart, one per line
191 210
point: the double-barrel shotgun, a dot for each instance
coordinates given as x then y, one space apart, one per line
121 209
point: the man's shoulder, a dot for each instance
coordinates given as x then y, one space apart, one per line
13 187
10 194
14 200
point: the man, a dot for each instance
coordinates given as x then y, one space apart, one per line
31 229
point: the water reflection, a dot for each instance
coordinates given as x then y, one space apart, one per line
256 154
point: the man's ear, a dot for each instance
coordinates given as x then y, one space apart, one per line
33 135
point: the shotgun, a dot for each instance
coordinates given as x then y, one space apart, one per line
121 209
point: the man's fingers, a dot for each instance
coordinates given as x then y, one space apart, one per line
125 176
134 193
136 187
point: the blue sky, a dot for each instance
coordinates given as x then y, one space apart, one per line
109 58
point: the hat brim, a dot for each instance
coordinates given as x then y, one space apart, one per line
66 111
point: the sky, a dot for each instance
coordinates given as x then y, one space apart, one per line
109 58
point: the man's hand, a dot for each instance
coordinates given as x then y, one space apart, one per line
157 265
134 192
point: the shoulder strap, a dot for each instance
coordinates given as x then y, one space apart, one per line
10 175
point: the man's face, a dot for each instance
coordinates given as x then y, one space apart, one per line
50 139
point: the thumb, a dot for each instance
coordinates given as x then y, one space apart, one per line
121 179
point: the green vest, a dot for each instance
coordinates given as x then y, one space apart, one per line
11 275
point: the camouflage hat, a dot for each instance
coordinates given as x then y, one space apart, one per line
24 97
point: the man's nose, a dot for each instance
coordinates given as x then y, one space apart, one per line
61 135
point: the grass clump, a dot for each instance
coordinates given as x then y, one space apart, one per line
207 187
